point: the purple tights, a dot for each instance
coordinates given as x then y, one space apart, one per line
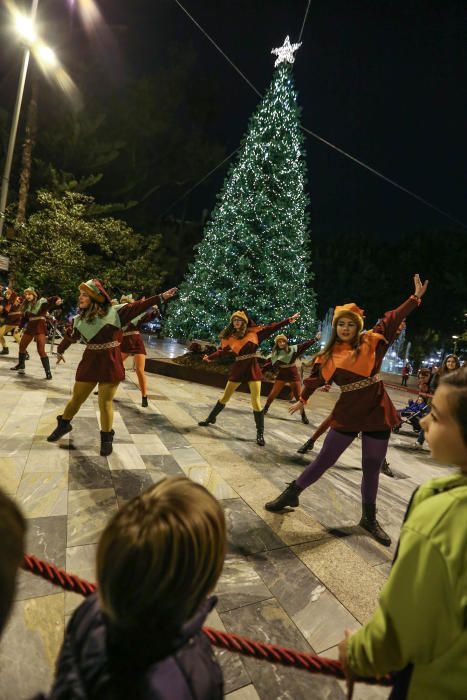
373 453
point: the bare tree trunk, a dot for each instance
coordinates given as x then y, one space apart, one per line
28 147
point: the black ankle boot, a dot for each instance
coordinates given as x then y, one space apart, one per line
46 365
289 497
144 402
266 409
20 365
211 419
259 422
371 525
386 469
309 444
5 351
63 427
305 418
106 443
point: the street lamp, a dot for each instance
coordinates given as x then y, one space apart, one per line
46 55
455 338
25 28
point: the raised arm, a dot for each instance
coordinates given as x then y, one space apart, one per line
130 311
268 330
389 324
303 347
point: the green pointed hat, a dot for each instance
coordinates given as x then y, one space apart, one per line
95 289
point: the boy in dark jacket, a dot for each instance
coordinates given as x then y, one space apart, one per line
140 636
12 532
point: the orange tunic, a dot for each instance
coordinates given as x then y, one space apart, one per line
369 409
247 370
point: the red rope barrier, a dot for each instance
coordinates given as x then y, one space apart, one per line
225 640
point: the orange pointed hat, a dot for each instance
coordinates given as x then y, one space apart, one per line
352 310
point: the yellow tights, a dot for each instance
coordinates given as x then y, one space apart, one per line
255 393
81 391
5 329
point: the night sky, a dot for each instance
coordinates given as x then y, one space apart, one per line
385 81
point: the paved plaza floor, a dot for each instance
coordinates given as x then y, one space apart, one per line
296 579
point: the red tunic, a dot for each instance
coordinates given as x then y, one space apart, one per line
106 365
247 370
12 310
39 325
368 409
289 372
132 342
14 314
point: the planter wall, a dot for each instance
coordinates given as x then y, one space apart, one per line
168 368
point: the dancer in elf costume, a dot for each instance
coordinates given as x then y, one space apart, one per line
11 313
282 361
323 428
241 339
99 324
34 310
352 360
133 344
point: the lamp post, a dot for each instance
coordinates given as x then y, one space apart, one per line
455 339
25 26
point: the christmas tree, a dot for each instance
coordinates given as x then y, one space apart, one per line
255 252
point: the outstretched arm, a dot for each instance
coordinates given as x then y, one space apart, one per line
389 324
268 330
130 311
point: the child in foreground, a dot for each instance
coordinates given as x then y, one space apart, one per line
12 532
419 630
140 636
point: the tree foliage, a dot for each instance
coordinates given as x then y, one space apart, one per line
255 253
62 244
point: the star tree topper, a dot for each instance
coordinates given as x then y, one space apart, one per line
285 52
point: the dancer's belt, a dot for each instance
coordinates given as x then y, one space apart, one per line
103 346
131 333
36 318
246 357
361 384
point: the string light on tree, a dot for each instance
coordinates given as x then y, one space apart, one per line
255 253
285 53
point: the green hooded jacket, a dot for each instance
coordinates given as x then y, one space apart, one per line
420 625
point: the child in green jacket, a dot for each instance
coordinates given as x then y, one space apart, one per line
419 630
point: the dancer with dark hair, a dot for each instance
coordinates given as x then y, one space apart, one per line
133 344
241 339
99 324
352 360
34 310
12 541
283 361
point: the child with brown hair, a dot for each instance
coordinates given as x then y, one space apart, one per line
140 637
12 532
419 630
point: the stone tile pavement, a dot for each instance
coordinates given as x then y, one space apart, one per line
296 579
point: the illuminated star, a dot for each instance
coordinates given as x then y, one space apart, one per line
285 52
